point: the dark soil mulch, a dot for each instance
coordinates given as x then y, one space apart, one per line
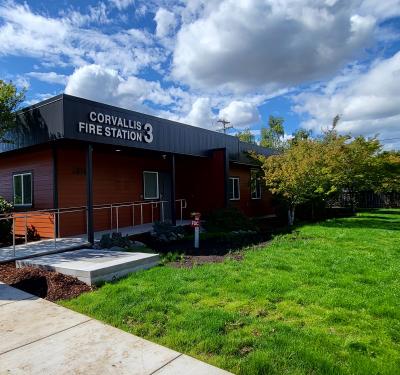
50 285
208 247
189 261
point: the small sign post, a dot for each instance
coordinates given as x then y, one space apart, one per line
196 225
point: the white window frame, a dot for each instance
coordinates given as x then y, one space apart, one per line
238 188
23 204
258 181
144 185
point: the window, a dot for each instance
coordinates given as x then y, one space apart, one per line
22 183
255 183
150 182
234 188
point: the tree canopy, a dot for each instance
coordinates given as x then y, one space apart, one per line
272 136
314 169
246 136
10 100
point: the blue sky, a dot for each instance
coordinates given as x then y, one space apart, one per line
197 61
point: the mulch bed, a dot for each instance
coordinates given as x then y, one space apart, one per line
189 261
49 285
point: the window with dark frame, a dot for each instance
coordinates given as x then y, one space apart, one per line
150 185
255 184
234 188
22 186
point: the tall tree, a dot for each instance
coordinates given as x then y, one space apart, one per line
10 100
352 163
300 135
246 136
297 174
272 136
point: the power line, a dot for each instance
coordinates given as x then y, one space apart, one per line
225 125
389 139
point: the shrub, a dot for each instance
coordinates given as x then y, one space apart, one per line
116 239
166 232
228 220
171 257
5 225
32 233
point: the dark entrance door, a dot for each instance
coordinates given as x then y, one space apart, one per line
164 181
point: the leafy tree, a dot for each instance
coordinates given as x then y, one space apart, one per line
388 176
353 165
314 169
272 136
246 136
300 135
297 174
10 99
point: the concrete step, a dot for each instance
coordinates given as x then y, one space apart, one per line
92 266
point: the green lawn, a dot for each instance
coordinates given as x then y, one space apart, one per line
325 300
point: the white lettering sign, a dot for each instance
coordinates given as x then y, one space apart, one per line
116 127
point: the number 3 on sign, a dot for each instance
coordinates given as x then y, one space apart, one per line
148 137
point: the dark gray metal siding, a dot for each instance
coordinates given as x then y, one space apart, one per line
37 124
59 117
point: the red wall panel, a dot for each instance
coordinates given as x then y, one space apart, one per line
250 207
39 162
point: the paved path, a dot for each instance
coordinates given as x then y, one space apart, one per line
40 337
43 247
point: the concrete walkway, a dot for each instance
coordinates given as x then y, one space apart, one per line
44 247
40 337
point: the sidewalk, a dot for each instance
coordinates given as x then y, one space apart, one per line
40 337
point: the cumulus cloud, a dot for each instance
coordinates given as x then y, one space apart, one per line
368 101
166 22
106 85
201 114
240 114
243 45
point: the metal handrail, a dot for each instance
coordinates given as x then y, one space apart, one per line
56 212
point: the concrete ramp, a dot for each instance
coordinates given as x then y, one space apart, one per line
92 266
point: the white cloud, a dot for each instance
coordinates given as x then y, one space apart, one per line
240 114
122 4
105 85
21 81
267 44
200 114
61 42
368 101
95 14
49 77
166 22
95 83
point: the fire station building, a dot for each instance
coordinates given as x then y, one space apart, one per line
98 166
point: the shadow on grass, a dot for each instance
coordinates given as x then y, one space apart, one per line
368 221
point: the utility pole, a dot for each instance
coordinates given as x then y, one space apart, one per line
225 125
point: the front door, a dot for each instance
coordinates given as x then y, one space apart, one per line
164 181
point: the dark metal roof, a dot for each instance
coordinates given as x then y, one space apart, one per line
68 117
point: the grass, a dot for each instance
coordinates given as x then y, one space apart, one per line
322 300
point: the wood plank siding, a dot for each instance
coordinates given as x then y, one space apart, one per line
39 163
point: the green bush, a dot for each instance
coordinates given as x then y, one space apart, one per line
5 225
116 239
228 220
32 233
166 232
171 257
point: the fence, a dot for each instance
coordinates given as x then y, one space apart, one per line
367 199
